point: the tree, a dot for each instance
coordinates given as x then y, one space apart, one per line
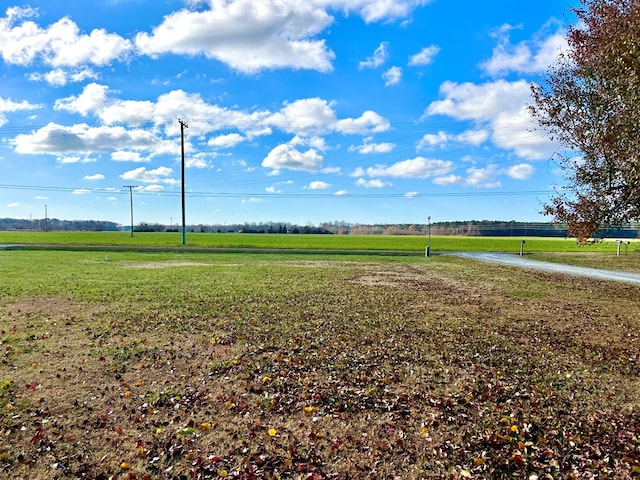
590 103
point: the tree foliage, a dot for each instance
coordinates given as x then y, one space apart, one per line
590 103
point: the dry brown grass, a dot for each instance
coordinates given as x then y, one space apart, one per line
385 370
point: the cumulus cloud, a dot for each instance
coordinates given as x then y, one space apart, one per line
317 185
369 148
23 42
315 116
97 176
81 138
393 76
246 35
418 167
468 137
522 171
251 36
59 77
425 56
485 177
9 106
306 118
81 191
229 140
287 156
128 156
378 58
373 183
499 106
157 175
530 56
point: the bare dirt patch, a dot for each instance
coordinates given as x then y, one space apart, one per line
165 264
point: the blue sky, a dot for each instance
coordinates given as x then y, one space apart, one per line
304 111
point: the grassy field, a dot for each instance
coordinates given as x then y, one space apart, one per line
404 243
178 365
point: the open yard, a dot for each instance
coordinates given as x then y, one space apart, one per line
219 365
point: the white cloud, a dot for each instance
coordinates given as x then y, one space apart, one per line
374 183
473 137
368 148
500 106
71 159
425 56
60 77
522 171
411 194
93 98
158 175
246 35
317 185
376 10
13 205
315 116
9 106
81 191
250 36
340 193
307 118
483 177
81 138
229 140
127 156
378 58
153 188
358 172
469 137
476 177
97 176
418 167
393 76
196 161
531 56
59 45
287 156
449 180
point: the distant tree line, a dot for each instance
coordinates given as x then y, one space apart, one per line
54 224
464 228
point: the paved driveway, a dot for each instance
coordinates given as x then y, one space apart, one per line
517 261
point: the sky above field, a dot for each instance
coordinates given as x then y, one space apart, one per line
304 111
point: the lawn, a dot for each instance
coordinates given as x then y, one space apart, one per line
409 244
124 364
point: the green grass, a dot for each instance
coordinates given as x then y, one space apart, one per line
217 365
402 243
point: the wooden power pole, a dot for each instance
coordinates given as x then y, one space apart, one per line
184 223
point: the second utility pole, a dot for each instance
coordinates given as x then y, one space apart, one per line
184 224
131 187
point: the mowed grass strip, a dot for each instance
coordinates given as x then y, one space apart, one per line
167 365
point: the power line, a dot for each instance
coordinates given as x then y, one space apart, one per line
231 194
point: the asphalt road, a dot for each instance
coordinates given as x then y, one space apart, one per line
517 261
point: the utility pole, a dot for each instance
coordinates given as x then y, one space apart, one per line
184 223
131 187
429 236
